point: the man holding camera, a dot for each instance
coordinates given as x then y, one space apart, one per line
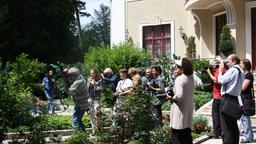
230 90
157 86
213 71
77 88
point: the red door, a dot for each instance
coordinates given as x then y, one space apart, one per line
253 14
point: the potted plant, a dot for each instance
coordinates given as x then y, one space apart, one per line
226 43
191 48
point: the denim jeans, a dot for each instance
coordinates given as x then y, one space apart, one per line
247 127
77 123
50 98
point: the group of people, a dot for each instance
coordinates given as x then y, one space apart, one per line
86 94
228 84
233 99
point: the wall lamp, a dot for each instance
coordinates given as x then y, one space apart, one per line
182 34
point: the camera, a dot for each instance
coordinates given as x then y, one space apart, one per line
169 91
210 66
224 62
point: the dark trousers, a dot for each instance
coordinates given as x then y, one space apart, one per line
182 136
158 115
216 117
229 127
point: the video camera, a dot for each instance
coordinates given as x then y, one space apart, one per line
210 66
58 70
168 90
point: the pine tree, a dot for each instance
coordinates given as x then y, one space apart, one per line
191 48
226 44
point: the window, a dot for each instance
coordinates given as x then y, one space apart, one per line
157 40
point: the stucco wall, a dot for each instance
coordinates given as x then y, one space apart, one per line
155 12
240 27
206 18
117 25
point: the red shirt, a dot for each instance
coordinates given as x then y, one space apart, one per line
216 86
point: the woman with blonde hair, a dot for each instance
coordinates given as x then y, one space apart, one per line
136 79
94 85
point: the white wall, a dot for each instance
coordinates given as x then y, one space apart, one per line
117 26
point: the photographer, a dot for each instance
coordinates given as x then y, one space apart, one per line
78 90
231 82
157 87
213 71
48 83
181 113
145 80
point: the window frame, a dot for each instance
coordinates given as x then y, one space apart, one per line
172 33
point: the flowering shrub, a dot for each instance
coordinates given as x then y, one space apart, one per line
161 136
200 124
136 118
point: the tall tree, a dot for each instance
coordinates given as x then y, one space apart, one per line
98 30
45 29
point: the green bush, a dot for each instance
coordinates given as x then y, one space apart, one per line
200 125
50 122
16 83
199 66
117 57
79 138
166 106
135 116
161 136
226 45
201 98
168 66
191 47
135 142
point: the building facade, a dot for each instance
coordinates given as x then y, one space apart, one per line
163 26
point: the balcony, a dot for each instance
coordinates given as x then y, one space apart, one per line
200 4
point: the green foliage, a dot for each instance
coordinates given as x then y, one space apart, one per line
199 66
118 57
166 106
107 98
167 66
50 122
135 142
24 72
43 29
79 138
201 98
200 124
161 136
135 116
97 32
37 137
191 48
16 84
226 45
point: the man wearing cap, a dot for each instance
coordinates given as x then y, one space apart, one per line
77 88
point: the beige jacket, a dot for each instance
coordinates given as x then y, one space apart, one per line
181 113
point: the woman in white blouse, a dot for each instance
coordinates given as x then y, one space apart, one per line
124 88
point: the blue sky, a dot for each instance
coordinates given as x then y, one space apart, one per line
90 6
